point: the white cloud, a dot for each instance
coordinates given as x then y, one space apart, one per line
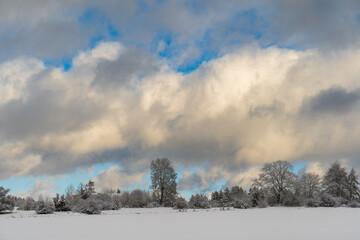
114 177
42 188
246 107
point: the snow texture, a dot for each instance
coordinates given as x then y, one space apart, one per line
165 223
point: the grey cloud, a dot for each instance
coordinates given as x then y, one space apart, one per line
191 181
277 108
320 23
131 65
335 100
50 29
43 113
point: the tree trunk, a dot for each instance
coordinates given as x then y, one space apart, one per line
161 195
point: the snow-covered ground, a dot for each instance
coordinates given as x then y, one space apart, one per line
165 223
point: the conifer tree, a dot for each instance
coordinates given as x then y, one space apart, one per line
353 185
335 181
6 202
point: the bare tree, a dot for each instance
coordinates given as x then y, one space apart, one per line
277 178
310 184
70 190
163 179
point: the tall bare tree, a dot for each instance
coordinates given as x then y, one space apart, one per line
163 179
310 184
276 178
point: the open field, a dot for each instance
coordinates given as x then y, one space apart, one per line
165 223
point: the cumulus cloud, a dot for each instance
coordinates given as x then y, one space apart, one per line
114 177
236 113
43 188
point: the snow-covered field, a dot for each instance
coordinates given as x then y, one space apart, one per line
165 223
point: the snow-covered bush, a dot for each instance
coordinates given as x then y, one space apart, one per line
6 202
262 203
241 203
354 205
154 204
326 200
116 198
181 203
87 206
125 199
139 199
28 204
199 201
291 200
44 206
312 202
107 202
60 204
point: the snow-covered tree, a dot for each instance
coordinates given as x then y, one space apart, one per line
353 185
310 185
226 199
181 203
163 179
199 201
257 197
335 181
60 204
87 206
139 199
237 192
44 206
28 204
90 187
6 202
276 178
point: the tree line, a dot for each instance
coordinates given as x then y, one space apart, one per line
276 185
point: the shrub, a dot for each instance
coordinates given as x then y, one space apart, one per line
241 203
291 200
44 206
6 202
87 206
181 203
139 199
199 201
107 202
354 205
262 203
125 199
154 204
327 200
28 205
312 202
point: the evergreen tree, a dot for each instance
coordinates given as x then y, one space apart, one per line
60 203
90 187
6 202
237 192
353 185
226 199
335 181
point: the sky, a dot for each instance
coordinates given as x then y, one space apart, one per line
96 90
